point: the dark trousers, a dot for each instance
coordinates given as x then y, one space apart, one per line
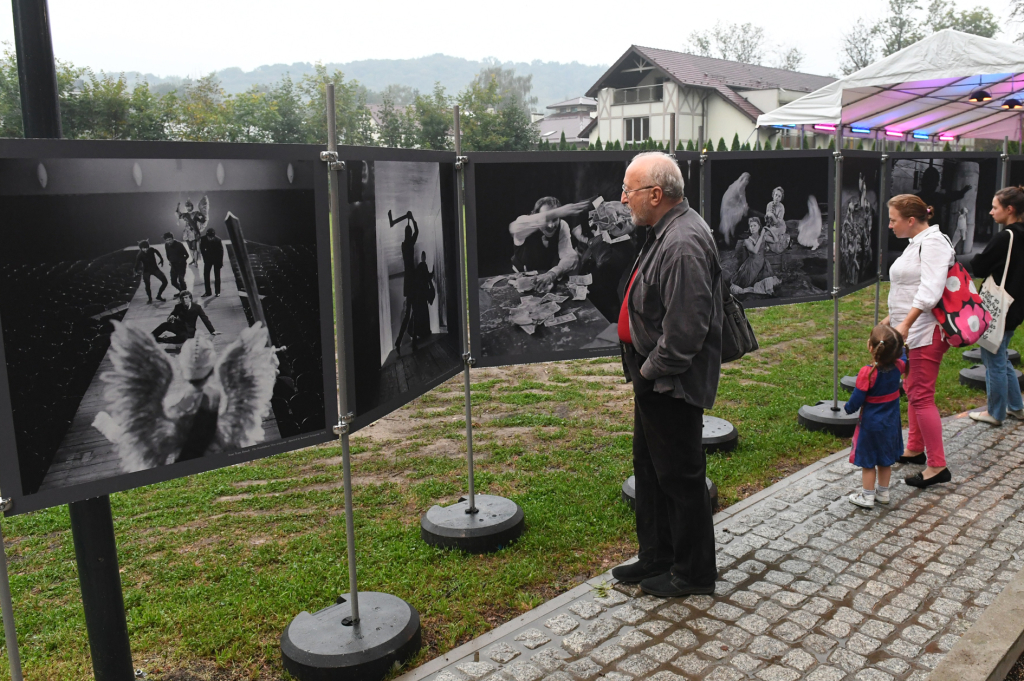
178 275
178 331
207 266
146 274
673 506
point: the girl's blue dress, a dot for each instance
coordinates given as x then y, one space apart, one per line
878 440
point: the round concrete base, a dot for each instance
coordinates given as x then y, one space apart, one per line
629 492
497 523
848 383
719 435
974 355
327 646
975 377
821 417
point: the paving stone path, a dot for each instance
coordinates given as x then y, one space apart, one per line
811 587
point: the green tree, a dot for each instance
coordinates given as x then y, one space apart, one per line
562 144
287 125
735 142
434 116
354 125
778 144
721 145
900 28
10 95
597 145
493 122
689 145
947 147
251 116
832 143
860 144
978 21
147 119
757 144
396 126
618 147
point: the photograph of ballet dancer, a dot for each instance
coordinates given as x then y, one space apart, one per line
860 221
770 216
959 187
553 243
133 357
399 218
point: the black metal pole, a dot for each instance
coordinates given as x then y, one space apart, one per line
92 527
37 71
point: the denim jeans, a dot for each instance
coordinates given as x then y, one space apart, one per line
1001 381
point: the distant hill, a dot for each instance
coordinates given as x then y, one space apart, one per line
552 81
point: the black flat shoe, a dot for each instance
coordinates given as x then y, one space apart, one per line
634 573
917 459
920 481
670 586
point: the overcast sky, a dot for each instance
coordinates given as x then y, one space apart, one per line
194 37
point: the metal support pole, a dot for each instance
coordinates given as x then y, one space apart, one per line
92 528
7 606
344 415
838 154
703 158
467 354
802 140
882 235
37 72
1005 163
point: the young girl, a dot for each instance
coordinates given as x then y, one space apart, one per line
878 440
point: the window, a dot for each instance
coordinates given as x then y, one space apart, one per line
637 129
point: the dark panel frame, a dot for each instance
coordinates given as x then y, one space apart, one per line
485 157
371 154
10 477
828 222
877 156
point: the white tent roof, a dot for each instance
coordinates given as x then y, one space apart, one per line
922 89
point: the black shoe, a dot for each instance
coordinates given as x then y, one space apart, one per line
206 295
919 480
217 295
149 302
670 586
917 458
161 299
634 573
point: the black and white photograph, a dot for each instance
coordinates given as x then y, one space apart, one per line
860 220
959 188
553 243
144 334
770 216
403 248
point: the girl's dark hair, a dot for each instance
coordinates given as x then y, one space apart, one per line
886 345
912 206
144 243
549 201
1012 197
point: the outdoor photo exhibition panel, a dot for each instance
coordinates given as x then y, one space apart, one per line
550 245
958 185
1015 178
400 248
130 357
771 218
860 220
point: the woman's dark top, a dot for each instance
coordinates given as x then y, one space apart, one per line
991 262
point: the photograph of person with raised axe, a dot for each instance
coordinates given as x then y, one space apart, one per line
418 288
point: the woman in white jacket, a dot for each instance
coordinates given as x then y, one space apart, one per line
918 278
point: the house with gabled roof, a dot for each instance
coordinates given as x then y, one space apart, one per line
670 96
573 118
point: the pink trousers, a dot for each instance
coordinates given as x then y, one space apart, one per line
923 415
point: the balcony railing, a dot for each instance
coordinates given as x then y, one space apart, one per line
637 95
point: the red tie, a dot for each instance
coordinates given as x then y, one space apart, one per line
624 312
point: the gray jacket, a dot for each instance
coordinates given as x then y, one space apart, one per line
675 308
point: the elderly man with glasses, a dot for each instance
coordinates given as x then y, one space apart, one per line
670 326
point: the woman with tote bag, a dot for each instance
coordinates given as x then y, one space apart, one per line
1004 254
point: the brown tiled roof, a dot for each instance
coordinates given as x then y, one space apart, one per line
691 69
724 76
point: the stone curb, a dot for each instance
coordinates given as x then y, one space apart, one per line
481 642
992 645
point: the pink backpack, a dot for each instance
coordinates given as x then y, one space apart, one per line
960 313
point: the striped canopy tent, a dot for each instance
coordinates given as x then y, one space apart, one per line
924 91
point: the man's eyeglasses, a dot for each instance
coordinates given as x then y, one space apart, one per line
627 192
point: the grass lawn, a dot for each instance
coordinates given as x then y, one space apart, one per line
215 566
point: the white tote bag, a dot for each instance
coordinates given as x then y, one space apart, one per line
997 301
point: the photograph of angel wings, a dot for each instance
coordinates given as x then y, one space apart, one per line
163 408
